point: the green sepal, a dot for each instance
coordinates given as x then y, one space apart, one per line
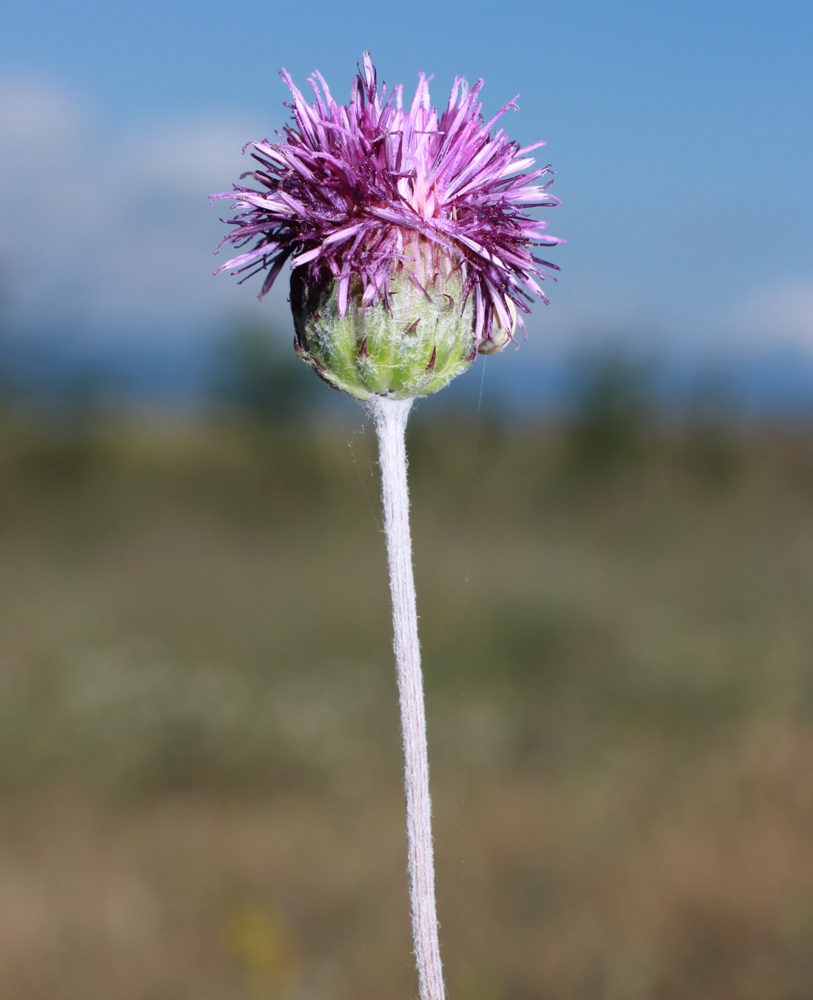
413 348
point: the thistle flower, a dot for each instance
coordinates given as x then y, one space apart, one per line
408 233
411 250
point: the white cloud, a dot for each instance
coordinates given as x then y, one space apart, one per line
589 313
778 316
119 237
31 113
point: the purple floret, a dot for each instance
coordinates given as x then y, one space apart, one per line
349 188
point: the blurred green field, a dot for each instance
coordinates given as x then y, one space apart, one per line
199 748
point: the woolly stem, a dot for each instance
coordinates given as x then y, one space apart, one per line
390 423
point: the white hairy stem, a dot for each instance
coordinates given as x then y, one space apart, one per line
390 417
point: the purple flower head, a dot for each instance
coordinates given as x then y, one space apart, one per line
350 191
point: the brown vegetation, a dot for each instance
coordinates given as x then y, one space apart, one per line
199 752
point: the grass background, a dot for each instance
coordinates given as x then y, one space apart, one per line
200 761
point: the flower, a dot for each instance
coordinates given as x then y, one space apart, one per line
408 233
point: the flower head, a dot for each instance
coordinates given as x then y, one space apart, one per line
373 203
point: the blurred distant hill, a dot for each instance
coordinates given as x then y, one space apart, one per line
256 370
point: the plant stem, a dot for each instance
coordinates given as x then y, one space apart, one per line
390 423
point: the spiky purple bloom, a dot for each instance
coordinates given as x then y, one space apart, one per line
351 193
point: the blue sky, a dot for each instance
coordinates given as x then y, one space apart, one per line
680 133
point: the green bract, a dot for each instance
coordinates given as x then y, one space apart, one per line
413 348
